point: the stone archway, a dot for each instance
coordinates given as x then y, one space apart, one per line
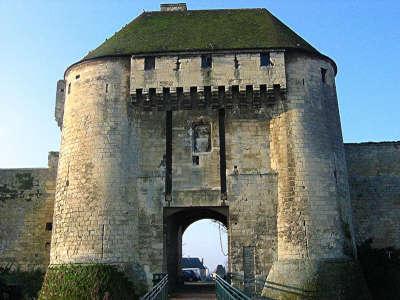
176 221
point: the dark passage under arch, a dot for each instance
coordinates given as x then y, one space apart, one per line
176 221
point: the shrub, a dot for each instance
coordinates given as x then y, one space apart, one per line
96 282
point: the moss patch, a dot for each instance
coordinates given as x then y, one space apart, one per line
86 282
25 181
210 30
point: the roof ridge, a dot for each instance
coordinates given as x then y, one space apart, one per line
206 10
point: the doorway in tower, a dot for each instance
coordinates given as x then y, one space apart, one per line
196 245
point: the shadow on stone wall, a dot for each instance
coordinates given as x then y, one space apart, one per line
381 269
16 284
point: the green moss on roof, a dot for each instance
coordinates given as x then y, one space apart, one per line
181 31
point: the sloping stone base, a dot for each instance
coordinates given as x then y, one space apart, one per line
314 279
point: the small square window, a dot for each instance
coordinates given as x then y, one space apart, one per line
206 61
49 226
149 63
265 59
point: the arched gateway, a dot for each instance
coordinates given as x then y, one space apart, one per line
225 114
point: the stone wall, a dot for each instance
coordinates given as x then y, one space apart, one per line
147 145
374 177
252 185
26 215
252 192
223 72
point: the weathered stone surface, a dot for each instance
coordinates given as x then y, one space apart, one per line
26 216
374 178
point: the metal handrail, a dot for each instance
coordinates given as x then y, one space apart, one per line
227 292
238 278
159 291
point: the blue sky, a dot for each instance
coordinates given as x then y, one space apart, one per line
206 239
40 39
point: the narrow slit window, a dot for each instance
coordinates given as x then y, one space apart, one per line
107 88
265 59
323 75
69 88
178 64
206 61
236 61
77 77
149 63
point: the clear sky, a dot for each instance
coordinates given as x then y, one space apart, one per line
40 39
208 240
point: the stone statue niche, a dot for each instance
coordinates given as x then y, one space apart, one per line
201 138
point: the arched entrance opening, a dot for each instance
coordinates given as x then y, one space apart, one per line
176 221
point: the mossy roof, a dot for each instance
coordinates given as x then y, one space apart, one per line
201 30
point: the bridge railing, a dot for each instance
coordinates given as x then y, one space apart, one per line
225 291
256 287
159 291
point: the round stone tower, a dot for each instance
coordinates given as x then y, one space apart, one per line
227 104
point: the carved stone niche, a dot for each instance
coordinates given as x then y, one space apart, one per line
201 137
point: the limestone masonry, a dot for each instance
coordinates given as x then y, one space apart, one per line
171 121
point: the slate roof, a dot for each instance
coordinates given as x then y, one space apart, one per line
191 262
201 30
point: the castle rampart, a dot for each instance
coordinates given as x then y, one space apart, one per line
26 213
374 178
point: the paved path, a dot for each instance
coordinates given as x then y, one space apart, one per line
195 291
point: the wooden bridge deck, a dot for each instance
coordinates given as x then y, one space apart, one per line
193 291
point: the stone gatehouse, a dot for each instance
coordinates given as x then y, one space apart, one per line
184 115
